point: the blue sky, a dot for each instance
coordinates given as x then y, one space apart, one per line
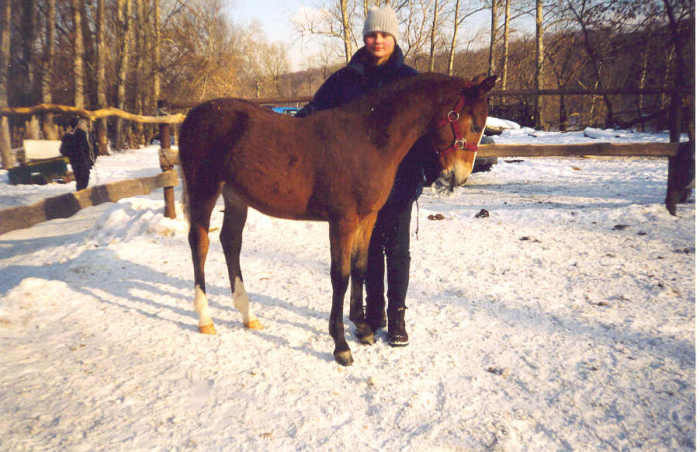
274 17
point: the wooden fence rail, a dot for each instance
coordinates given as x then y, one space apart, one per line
64 206
680 175
646 149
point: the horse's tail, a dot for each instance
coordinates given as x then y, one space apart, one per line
188 163
185 195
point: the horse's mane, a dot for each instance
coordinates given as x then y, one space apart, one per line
397 90
380 106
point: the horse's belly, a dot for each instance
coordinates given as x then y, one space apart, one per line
282 200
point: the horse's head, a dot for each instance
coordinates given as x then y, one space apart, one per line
458 127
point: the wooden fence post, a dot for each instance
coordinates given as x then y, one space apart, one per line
680 167
165 165
680 176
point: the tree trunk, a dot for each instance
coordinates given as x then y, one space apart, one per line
8 159
453 44
49 128
156 57
101 124
539 62
346 29
433 36
643 83
506 31
139 30
89 63
30 61
78 56
563 117
124 12
495 5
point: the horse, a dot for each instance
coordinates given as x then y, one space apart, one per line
337 165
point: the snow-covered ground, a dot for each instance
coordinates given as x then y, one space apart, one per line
564 320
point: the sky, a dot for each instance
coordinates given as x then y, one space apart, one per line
275 18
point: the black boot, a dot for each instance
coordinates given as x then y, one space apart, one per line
374 314
397 328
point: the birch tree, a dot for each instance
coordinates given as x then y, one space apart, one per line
345 20
495 15
459 18
506 32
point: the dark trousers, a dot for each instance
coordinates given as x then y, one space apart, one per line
82 175
390 240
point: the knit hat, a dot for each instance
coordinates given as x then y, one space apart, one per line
382 19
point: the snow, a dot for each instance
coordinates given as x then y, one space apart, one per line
562 321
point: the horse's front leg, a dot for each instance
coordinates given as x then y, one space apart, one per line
363 331
341 237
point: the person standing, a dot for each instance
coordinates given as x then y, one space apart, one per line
372 67
75 145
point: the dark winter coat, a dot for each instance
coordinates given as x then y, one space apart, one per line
360 76
76 146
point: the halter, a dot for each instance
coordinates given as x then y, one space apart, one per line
459 142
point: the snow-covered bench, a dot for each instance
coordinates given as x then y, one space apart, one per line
39 150
40 162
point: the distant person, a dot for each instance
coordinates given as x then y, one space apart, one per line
76 145
373 67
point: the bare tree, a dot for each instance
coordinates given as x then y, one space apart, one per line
78 56
675 10
539 61
49 128
459 18
495 15
100 82
346 29
156 54
124 22
437 6
8 159
506 32
29 58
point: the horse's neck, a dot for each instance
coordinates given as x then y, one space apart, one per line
396 123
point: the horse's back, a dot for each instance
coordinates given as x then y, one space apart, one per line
256 152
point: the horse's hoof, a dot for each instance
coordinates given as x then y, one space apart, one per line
343 358
253 324
364 334
207 329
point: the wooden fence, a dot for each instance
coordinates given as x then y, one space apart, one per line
680 157
66 205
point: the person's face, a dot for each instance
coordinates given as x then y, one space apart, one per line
380 45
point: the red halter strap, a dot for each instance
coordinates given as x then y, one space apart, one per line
459 142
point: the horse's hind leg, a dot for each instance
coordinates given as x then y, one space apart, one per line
363 331
342 237
231 238
200 207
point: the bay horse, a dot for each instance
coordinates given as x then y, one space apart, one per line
337 165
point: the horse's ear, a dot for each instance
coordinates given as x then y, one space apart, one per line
483 83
